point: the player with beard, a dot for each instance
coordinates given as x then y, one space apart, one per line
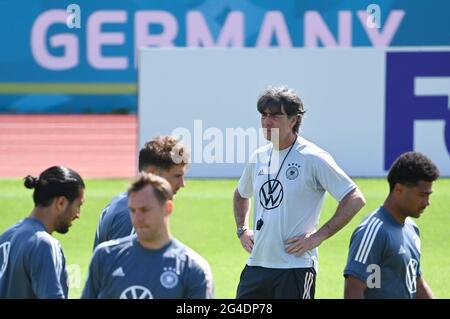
32 262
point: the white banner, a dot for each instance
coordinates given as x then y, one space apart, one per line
364 105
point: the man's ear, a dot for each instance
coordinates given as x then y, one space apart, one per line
152 169
60 203
169 207
399 188
294 120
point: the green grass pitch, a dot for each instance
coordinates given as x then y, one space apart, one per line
203 219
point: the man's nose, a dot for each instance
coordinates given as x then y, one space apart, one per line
138 216
181 182
267 120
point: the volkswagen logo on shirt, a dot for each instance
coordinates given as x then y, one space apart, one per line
136 292
4 254
411 275
271 194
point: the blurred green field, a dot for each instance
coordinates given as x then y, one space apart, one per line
203 219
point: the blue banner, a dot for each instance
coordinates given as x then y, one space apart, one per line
62 56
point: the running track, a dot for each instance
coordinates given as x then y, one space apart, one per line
94 145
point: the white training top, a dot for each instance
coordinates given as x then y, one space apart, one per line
289 206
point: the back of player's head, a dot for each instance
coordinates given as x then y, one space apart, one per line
54 182
276 98
161 187
410 168
163 152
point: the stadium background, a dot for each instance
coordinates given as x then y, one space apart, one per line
68 98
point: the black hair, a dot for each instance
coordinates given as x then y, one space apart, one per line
410 168
54 182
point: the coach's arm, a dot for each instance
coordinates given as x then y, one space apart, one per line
347 208
241 207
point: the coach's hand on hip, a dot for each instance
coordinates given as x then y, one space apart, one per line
247 240
299 245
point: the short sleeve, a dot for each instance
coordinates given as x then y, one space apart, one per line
366 249
331 177
245 185
47 270
199 281
93 283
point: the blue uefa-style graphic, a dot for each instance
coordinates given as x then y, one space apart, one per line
90 63
403 107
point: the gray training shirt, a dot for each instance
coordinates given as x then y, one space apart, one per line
381 243
124 269
32 263
115 221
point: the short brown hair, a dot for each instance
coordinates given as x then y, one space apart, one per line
161 187
163 152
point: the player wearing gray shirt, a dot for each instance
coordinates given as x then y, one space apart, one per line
150 263
114 221
384 254
124 269
32 263
382 244
164 156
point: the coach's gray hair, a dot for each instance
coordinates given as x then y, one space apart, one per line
161 187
